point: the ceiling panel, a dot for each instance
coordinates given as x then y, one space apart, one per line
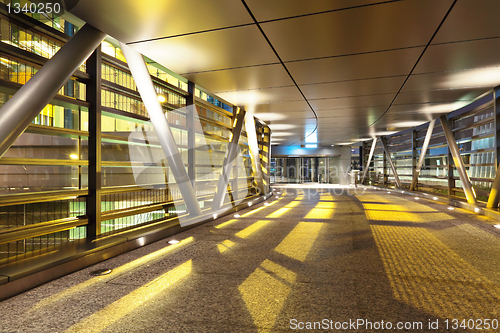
132 20
380 64
300 106
242 78
352 102
353 88
387 26
470 19
467 79
270 10
459 56
236 47
247 98
438 96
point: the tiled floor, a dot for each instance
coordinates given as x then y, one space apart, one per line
311 256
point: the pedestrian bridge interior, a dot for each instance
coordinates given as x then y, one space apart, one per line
305 255
249 165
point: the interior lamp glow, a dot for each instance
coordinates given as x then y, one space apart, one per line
73 156
161 99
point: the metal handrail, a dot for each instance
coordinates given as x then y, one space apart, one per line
40 229
26 198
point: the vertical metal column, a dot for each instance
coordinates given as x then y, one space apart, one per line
190 123
20 110
253 145
236 166
413 155
141 76
494 197
393 167
385 176
423 151
94 174
367 166
231 153
457 159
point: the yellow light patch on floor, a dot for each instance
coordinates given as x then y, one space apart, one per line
426 274
299 241
125 305
251 229
253 211
278 213
382 215
326 205
371 198
225 224
279 270
225 245
283 210
320 214
114 273
370 206
264 295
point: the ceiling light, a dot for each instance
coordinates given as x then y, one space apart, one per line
311 145
270 116
161 98
73 156
283 134
278 127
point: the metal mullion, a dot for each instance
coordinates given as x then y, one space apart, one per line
94 145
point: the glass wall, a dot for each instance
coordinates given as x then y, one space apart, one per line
44 175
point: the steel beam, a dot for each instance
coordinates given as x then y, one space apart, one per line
494 197
423 151
367 166
19 111
393 167
231 153
253 145
457 159
146 89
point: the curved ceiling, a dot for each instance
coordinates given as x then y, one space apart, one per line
352 68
